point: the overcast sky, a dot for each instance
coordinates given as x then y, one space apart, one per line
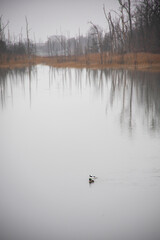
50 17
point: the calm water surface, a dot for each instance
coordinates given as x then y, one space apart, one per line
57 126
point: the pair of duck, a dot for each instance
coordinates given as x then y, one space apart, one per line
92 178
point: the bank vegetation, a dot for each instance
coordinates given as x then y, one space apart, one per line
131 39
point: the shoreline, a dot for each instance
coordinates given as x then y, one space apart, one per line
139 61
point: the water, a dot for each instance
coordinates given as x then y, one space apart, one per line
57 126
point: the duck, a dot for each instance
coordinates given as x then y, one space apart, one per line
91 180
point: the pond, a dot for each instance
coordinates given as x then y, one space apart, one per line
58 126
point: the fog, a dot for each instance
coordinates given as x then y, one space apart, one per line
49 17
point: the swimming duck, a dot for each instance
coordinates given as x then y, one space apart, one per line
91 180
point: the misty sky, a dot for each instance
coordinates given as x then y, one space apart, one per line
49 17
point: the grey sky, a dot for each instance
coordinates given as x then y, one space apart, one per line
49 17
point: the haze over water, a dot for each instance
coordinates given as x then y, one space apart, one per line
57 126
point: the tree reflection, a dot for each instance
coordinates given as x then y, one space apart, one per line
135 92
11 78
132 95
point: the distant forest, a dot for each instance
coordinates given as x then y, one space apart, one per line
134 27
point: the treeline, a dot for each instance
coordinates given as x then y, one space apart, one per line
10 47
134 27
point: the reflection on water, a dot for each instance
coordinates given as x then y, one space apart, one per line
11 78
135 93
57 126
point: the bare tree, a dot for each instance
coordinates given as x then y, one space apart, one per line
28 40
126 5
112 33
2 36
98 33
2 27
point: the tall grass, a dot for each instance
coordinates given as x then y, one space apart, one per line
129 60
